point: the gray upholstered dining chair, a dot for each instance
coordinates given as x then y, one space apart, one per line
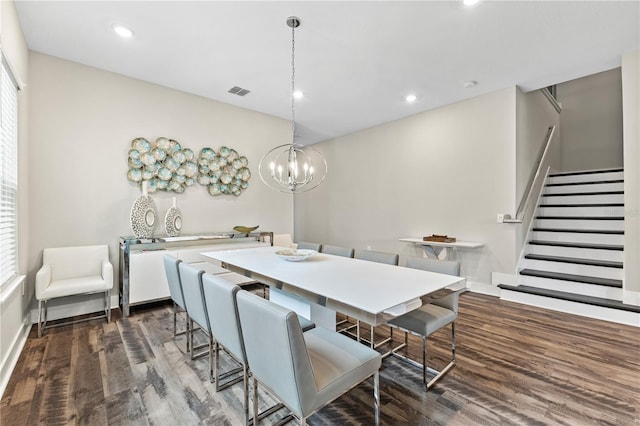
309 246
305 371
431 317
191 279
344 252
175 291
220 300
379 257
337 250
222 310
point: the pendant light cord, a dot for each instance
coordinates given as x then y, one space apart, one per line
293 83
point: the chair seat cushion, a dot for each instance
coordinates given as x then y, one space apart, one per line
69 287
425 320
338 362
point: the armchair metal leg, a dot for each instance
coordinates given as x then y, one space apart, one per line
40 317
108 306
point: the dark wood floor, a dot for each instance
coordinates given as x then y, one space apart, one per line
515 365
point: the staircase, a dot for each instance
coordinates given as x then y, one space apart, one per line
574 256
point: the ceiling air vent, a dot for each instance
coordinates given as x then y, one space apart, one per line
238 91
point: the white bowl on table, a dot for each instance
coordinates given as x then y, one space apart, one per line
295 255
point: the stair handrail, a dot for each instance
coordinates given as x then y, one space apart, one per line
526 196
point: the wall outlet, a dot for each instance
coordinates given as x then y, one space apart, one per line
368 247
500 218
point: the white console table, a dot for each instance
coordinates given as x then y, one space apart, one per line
440 250
142 277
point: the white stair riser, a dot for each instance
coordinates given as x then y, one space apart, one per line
582 199
590 187
572 287
581 211
574 268
592 177
606 314
574 237
579 253
612 225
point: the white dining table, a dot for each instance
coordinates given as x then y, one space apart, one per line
368 291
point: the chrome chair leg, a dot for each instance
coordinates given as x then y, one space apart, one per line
245 386
40 318
376 397
109 306
424 359
256 413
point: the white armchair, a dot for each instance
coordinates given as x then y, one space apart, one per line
68 271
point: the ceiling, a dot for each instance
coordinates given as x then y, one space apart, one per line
355 60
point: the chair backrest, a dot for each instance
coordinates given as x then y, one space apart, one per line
191 279
173 279
75 262
449 267
377 256
282 240
309 246
222 309
337 250
276 351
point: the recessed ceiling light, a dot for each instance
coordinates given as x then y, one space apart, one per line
469 84
411 98
470 2
298 94
122 31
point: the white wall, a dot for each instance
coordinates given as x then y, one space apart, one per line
591 121
534 115
14 304
82 121
445 171
631 126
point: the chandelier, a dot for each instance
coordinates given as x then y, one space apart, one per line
291 167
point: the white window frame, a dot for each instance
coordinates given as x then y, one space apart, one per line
8 174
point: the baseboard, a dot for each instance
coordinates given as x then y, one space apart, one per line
483 288
15 349
631 297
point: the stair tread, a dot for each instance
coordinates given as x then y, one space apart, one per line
572 297
586 172
577 245
567 194
608 282
575 260
584 205
581 231
582 217
595 182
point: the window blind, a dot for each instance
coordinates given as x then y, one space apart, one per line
8 175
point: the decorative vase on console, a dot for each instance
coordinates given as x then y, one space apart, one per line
173 220
143 215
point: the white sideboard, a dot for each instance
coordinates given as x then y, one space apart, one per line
142 277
